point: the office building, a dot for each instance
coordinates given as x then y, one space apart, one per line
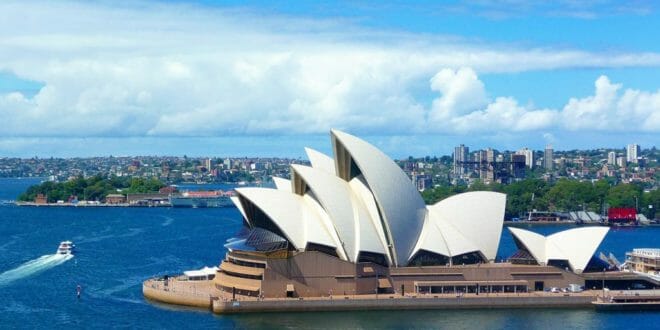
461 155
529 156
548 158
611 158
632 152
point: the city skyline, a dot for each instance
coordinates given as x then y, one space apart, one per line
224 78
271 150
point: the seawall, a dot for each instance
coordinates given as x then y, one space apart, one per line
158 293
399 303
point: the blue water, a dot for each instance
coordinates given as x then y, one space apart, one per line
120 247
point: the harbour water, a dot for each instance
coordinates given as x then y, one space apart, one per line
117 248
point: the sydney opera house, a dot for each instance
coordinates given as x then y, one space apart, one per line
354 224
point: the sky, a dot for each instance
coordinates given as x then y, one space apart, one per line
267 78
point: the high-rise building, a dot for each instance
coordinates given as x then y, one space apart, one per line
632 153
518 165
491 157
207 163
547 157
529 156
481 158
621 161
611 158
461 155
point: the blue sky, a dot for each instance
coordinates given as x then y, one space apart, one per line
266 78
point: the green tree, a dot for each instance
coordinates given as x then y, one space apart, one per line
651 203
624 195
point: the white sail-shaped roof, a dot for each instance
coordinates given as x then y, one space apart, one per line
320 228
400 204
478 216
576 246
442 237
290 213
361 203
237 203
343 207
282 183
371 234
431 239
320 160
534 243
334 196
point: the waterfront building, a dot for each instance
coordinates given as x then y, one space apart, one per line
571 249
115 199
621 215
646 261
41 199
355 226
548 158
632 153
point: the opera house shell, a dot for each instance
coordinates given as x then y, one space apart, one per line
361 207
355 223
572 248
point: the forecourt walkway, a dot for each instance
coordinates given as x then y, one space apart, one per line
204 295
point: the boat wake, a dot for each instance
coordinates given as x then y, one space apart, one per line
168 221
33 267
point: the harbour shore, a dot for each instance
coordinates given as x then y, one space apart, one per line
203 294
33 204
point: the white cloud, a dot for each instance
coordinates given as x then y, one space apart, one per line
607 110
504 114
593 111
462 92
173 70
610 110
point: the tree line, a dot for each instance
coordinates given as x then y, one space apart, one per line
94 188
562 195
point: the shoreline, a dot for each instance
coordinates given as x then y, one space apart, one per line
202 294
505 223
32 204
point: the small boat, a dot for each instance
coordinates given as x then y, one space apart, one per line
66 247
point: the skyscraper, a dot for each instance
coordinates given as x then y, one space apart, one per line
491 157
611 158
529 156
547 158
632 153
461 154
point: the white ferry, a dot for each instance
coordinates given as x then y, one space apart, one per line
66 247
199 199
